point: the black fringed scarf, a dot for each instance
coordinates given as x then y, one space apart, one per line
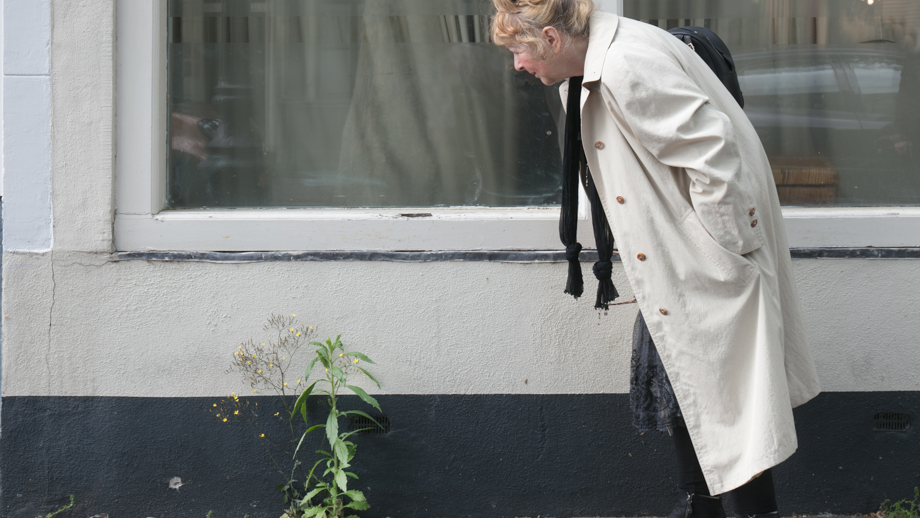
573 160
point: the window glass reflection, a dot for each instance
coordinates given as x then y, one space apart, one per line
352 103
832 87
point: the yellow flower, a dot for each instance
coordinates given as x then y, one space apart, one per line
255 391
293 315
327 370
233 393
276 414
298 381
262 435
285 383
253 355
341 354
225 419
248 363
270 365
236 412
263 345
260 371
298 334
239 346
356 360
215 405
292 329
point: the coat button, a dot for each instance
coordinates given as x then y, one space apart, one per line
599 145
620 200
640 257
754 223
751 212
663 311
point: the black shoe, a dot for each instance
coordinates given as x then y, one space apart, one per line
698 506
766 515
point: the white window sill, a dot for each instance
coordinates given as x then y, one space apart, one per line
458 229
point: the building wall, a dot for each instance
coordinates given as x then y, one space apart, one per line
506 397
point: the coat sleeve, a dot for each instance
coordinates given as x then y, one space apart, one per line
672 119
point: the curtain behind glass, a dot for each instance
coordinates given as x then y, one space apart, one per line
352 103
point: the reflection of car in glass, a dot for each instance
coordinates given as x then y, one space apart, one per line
826 115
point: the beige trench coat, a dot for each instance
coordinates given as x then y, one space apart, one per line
690 197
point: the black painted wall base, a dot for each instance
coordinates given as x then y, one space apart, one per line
446 456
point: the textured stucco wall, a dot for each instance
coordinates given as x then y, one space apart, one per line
83 149
79 323
82 325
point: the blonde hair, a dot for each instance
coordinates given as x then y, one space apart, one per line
521 22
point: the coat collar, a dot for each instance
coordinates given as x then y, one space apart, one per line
603 26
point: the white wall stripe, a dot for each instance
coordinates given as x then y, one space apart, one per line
26 115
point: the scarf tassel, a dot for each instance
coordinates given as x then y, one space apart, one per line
606 291
575 285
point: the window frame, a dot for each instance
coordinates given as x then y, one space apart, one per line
142 223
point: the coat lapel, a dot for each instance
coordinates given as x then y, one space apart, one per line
603 28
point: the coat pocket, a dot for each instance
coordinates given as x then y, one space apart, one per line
735 267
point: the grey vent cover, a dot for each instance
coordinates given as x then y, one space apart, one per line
891 422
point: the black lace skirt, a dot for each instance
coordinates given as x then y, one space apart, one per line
651 396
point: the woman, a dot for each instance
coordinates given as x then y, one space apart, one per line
689 196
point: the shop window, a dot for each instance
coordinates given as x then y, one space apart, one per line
352 103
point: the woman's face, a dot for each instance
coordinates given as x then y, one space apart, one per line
546 70
549 70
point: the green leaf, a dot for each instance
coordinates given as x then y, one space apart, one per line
363 414
341 451
364 396
310 512
355 495
341 480
358 506
361 357
339 373
306 373
301 403
306 498
352 475
324 452
332 428
369 375
314 427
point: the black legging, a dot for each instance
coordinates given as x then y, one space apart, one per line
758 496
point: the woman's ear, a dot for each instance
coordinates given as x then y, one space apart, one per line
552 36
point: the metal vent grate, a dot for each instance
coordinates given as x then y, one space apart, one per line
369 427
891 422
